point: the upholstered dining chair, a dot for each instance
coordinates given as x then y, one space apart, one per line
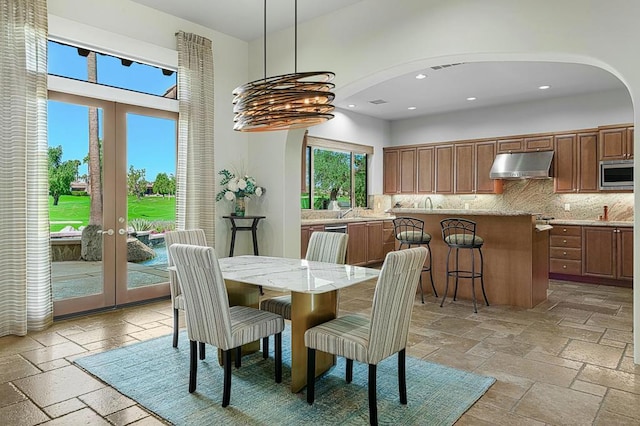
190 236
328 247
211 320
371 340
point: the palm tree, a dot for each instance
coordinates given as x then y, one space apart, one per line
91 239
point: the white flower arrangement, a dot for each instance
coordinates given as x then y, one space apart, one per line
235 187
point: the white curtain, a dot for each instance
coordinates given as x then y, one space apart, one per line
195 180
25 274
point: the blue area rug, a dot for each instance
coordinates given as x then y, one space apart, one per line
156 375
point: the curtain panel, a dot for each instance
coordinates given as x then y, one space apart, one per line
195 180
25 272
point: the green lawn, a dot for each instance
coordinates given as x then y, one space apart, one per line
74 209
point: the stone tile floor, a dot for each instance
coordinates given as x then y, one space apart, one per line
567 361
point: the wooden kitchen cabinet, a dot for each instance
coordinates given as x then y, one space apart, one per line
565 250
399 173
444 169
465 168
485 153
357 246
608 252
538 143
576 163
615 142
388 237
510 145
426 169
305 234
375 242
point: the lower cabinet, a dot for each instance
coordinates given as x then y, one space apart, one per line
388 238
366 243
565 250
591 253
608 252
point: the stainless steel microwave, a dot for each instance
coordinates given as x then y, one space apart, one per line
616 175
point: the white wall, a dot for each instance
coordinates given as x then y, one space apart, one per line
553 115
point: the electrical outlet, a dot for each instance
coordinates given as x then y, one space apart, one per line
567 207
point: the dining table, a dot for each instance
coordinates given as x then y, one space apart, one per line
314 290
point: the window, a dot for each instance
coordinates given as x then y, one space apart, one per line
334 174
71 62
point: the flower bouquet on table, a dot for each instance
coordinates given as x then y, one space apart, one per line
237 189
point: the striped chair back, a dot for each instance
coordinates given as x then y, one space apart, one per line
200 277
393 302
328 247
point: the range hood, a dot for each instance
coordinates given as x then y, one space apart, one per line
522 165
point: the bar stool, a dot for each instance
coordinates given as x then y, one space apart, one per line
461 234
410 232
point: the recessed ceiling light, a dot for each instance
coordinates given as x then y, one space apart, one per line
421 76
545 87
412 108
471 98
351 105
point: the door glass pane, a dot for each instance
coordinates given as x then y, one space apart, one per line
75 271
151 201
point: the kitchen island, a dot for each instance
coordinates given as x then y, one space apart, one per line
515 250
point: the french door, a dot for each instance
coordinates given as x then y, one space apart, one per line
137 155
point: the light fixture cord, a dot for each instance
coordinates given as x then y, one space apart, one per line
295 38
264 40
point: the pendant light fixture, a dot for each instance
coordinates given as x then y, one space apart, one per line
282 102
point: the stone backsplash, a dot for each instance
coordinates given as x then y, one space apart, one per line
531 195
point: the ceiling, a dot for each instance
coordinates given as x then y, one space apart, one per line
442 90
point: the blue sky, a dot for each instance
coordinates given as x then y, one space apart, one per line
151 141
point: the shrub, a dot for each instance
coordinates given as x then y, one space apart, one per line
79 193
140 224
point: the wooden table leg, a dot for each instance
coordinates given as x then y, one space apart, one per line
308 310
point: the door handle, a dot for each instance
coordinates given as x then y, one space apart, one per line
122 231
108 232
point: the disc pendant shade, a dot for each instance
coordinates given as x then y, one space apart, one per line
288 101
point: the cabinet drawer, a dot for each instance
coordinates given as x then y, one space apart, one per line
566 230
563 253
565 241
561 266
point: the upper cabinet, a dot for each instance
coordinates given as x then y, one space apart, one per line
465 168
426 169
485 153
576 162
399 173
616 143
444 169
528 144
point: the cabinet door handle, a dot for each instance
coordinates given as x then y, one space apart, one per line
564 266
564 253
564 229
564 241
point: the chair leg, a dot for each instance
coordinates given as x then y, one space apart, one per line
402 376
349 372
238 360
278 356
421 289
311 375
265 347
455 292
226 365
193 365
373 403
482 277
446 283
473 282
176 326
202 351
433 285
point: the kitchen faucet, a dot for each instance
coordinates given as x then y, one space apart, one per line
430 203
342 214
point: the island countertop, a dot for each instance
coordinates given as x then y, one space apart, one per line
399 211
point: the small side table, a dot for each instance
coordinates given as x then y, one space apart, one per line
253 228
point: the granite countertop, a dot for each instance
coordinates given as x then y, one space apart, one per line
333 221
583 222
462 212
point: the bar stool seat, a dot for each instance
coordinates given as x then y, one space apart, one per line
410 232
461 234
